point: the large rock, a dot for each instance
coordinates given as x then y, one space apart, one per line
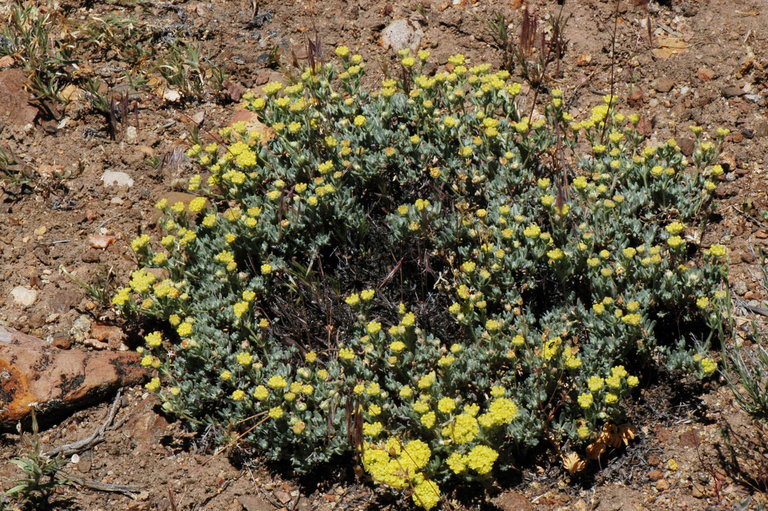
402 34
116 178
33 371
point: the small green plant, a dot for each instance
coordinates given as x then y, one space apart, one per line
190 71
126 36
743 454
14 178
746 368
401 275
100 287
747 374
34 489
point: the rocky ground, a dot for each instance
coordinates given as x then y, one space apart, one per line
79 179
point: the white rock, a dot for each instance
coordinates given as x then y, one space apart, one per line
24 296
114 178
131 134
80 328
401 34
171 95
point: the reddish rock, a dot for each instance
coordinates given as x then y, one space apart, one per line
146 426
687 145
636 98
690 438
655 475
254 503
108 333
252 123
663 84
705 74
62 342
731 91
512 500
14 101
33 371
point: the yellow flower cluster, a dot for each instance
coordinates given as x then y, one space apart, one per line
399 466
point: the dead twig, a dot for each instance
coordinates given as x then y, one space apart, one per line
91 484
93 439
751 308
750 218
171 500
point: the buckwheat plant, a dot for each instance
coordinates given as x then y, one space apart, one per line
403 277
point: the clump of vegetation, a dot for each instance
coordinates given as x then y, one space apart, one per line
743 453
535 48
405 274
41 475
50 49
748 378
27 36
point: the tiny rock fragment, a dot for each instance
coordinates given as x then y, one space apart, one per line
731 91
655 475
669 47
199 117
131 134
235 91
62 342
687 145
705 74
6 61
254 503
283 496
584 59
635 98
513 501
95 344
80 328
171 95
100 241
110 334
24 296
146 150
46 170
663 84
71 93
